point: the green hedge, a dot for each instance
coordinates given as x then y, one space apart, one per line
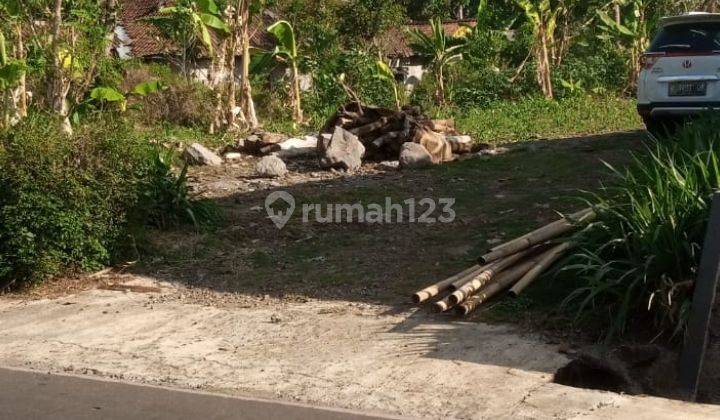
69 203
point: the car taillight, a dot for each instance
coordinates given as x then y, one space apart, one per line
648 60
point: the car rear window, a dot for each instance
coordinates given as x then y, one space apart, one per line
688 37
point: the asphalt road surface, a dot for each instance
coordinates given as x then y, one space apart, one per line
33 395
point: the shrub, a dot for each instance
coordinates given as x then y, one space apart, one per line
641 257
69 203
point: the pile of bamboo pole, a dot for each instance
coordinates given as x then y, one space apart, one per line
513 265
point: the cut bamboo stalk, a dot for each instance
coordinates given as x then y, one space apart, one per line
484 277
461 281
546 260
541 235
443 285
580 215
443 305
504 280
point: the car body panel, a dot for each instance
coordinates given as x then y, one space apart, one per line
681 78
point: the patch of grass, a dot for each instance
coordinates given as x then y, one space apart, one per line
533 118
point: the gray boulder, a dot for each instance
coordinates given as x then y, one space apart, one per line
197 154
342 151
414 155
271 167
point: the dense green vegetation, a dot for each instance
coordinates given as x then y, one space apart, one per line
641 257
78 202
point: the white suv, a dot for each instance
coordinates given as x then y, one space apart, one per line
680 73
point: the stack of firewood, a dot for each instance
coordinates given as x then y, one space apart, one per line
383 131
513 265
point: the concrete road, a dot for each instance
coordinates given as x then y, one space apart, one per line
33 395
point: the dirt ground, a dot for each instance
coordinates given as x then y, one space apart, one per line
341 354
319 313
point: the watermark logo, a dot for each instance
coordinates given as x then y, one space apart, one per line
424 211
280 217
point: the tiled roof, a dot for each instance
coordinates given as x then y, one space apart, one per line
395 43
145 40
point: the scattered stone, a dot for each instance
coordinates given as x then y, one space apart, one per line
197 154
493 151
232 156
275 319
413 156
341 151
271 167
389 165
263 143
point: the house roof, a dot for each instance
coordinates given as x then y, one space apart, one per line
395 43
145 40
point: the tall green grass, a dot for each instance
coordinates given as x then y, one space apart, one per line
533 118
639 260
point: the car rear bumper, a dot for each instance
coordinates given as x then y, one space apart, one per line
676 108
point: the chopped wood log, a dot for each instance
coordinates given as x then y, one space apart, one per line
545 261
504 280
369 128
443 285
392 135
443 126
544 234
486 276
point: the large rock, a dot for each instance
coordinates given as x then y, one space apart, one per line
197 154
414 155
342 150
271 167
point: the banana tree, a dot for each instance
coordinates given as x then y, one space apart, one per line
439 50
12 72
385 73
286 50
630 31
188 22
543 15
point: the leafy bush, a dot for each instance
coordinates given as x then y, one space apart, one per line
641 257
165 200
69 203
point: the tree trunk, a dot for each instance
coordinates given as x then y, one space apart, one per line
544 72
246 93
440 88
22 87
217 83
57 83
296 93
109 20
